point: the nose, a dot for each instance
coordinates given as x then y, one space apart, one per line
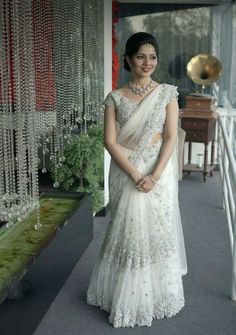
147 61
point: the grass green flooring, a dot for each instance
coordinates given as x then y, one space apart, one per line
20 245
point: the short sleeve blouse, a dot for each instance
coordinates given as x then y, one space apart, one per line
109 100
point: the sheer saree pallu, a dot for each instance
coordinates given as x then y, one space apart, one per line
138 274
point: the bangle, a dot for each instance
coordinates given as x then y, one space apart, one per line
152 179
141 178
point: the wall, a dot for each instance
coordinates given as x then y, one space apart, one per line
107 79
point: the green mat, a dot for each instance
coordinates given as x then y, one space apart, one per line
20 245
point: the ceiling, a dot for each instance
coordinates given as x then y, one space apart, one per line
198 2
140 7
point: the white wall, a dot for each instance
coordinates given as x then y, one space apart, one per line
107 79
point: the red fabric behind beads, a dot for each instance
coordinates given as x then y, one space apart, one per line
45 91
8 85
115 57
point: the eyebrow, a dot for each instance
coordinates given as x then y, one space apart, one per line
140 53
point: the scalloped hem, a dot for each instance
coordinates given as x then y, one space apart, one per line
129 320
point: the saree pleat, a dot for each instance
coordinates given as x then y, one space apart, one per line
138 274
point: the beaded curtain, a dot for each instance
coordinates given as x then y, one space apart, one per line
51 84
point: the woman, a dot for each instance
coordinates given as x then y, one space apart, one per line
138 274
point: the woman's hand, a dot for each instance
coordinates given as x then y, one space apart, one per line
145 185
137 176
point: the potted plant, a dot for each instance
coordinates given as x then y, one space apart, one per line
83 170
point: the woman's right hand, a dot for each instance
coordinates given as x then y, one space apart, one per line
137 176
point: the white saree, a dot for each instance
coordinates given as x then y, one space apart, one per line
138 274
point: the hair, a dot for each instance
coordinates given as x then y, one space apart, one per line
134 43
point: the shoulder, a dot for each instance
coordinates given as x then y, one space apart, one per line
114 93
109 94
120 92
113 97
171 92
109 99
170 87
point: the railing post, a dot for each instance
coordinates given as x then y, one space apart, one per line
220 157
228 176
223 164
233 291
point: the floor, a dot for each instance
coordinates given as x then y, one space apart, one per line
208 309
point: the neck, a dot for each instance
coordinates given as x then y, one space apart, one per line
141 81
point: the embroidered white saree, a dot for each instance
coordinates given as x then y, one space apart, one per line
138 274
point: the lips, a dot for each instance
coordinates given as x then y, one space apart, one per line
146 69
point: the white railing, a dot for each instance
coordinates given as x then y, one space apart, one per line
227 165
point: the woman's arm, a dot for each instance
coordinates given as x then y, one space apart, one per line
170 134
113 148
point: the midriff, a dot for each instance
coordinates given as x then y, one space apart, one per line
156 137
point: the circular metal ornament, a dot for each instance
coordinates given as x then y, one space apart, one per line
204 69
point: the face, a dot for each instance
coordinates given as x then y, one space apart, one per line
144 62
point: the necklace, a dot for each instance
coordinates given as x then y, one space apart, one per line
140 90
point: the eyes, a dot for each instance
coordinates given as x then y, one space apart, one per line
152 57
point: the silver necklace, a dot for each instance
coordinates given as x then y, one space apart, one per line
140 90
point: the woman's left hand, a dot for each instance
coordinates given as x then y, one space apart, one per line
145 185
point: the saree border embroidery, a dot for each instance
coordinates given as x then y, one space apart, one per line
155 122
138 274
135 253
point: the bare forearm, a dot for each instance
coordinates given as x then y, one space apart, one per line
121 159
170 136
166 151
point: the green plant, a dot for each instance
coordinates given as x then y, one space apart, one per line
83 169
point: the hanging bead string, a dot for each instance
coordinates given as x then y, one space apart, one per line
100 62
16 64
2 206
78 65
26 111
20 110
67 69
31 122
5 84
31 181
11 177
2 116
58 56
69 36
7 157
30 140
87 61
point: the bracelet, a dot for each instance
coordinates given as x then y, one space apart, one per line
152 179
